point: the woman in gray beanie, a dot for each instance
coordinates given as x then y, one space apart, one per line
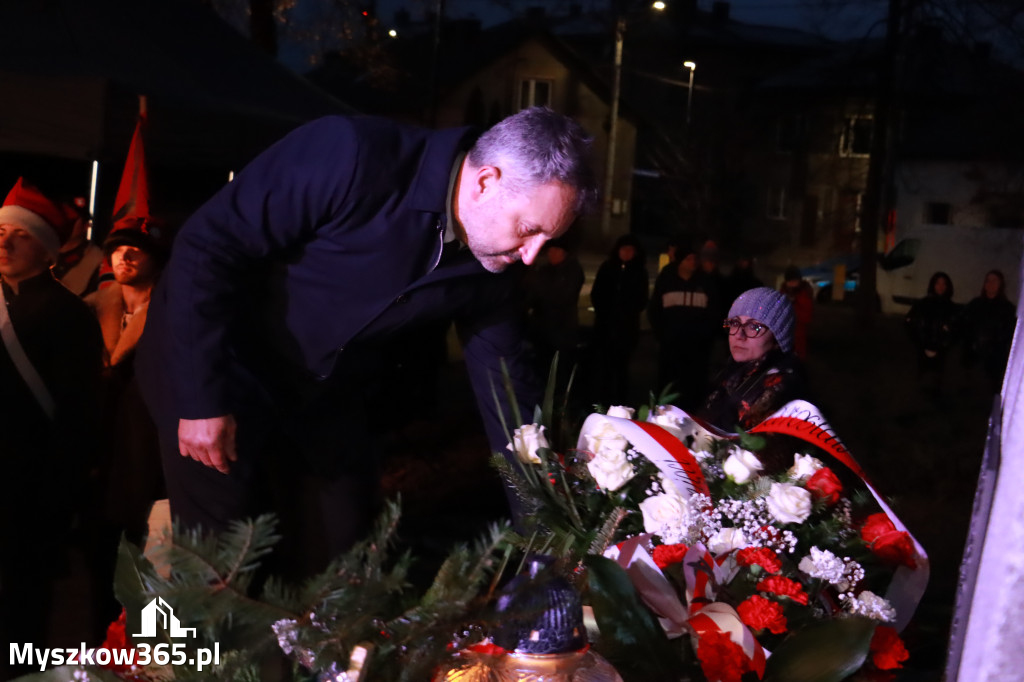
764 374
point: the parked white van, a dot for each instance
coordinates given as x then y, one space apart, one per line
964 253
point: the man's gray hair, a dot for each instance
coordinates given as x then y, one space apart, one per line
538 146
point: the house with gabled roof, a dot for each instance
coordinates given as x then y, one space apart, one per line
475 76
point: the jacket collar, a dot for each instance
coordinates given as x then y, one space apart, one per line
443 147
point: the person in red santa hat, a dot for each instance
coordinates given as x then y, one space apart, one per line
51 357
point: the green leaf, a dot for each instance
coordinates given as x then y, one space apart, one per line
751 443
630 634
129 584
548 406
826 652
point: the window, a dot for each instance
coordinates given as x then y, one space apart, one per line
938 213
777 204
855 139
534 92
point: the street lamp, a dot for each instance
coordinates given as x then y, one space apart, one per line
692 66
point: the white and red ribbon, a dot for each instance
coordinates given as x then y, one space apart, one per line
658 445
803 420
704 614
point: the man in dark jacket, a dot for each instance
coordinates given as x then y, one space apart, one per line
349 230
682 315
50 362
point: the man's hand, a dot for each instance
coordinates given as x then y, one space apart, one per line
209 441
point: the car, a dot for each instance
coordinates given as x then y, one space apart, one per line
820 276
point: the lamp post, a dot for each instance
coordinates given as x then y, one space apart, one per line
613 119
692 66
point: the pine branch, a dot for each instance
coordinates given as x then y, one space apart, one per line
606 535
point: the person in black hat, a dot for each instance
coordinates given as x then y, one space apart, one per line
128 479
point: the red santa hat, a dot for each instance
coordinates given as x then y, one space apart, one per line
49 221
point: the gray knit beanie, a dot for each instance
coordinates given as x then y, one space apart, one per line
772 309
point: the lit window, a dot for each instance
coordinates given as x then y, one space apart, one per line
534 92
855 139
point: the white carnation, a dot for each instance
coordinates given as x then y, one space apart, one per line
823 564
843 573
871 605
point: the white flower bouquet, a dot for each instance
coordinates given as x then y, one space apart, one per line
754 564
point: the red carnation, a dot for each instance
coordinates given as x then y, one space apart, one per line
784 587
666 555
875 526
721 659
887 650
824 485
760 556
759 613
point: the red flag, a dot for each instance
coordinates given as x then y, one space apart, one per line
131 206
133 193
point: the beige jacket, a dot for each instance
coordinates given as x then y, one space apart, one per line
108 306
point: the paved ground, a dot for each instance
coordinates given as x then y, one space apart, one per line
923 454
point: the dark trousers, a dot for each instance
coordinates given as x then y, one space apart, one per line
321 511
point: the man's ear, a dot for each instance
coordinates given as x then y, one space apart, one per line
485 183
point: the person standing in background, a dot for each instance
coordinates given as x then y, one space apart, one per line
553 300
51 357
741 278
931 323
988 324
79 261
128 478
681 313
619 296
801 296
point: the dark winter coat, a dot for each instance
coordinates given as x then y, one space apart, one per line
746 393
619 295
683 309
332 238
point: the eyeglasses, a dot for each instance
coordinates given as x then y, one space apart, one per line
751 328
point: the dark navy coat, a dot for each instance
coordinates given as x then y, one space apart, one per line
331 236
